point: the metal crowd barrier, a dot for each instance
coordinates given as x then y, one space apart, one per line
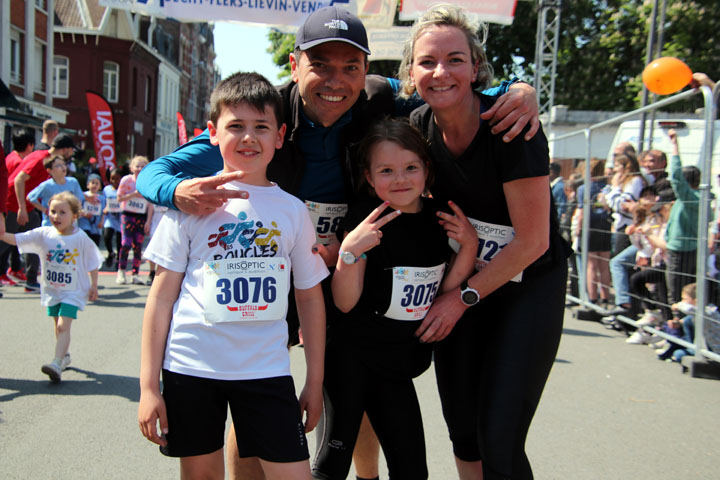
699 346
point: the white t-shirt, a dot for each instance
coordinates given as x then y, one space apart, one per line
66 261
271 223
158 212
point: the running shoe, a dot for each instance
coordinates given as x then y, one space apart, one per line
5 280
65 361
639 337
121 280
32 287
17 275
53 371
109 260
135 280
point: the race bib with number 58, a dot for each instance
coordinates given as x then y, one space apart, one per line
326 218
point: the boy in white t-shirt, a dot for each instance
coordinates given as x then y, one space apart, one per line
215 316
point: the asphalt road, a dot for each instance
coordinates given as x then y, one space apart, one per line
610 410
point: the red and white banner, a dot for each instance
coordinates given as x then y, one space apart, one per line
197 131
493 11
103 128
182 131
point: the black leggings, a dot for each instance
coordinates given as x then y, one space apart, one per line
492 368
108 235
392 406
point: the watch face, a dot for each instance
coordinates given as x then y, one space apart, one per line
469 297
348 258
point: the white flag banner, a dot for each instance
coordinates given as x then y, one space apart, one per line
376 13
273 12
388 44
492 11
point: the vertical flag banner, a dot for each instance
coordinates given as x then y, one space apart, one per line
103 129
182 131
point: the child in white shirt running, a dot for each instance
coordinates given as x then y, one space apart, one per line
214 324
69 257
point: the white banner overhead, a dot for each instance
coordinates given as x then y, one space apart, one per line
375 13
493 11
388 44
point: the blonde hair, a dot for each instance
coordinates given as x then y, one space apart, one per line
451 16
139 158
70 199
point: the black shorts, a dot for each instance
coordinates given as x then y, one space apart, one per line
266 413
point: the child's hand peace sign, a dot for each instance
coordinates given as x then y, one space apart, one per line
458 227
367 234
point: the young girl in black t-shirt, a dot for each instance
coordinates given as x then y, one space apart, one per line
392 264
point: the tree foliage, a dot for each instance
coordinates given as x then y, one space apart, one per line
602 48
601 53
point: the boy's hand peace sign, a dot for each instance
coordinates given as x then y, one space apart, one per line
367 234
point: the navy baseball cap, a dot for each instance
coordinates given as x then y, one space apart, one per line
332 24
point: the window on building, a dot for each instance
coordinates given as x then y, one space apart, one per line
38 72
148 96
111 73
61 74
15 56
41 4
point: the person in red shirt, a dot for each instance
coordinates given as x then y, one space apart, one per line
23 144
3 192
3 189
21 216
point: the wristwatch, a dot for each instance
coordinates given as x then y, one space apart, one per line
349 258
468 295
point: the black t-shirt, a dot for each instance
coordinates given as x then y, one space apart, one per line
410 240
474 180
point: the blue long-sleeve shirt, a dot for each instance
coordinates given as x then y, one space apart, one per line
198 158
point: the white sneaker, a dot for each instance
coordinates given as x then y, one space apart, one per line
65 361
650 318
135 280
53 371
639 337
121 280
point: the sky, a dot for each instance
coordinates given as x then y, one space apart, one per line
242 47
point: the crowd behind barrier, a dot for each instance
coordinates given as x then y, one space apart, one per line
644 233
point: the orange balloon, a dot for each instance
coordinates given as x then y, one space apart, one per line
666 75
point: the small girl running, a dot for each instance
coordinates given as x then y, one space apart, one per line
91 219
111 227
390 267
68 256
136 211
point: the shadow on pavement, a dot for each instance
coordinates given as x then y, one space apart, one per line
109 298
95 384
582 333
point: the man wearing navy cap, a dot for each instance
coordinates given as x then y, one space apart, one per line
328 107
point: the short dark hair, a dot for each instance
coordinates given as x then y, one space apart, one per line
401 133
245 87
692 175
555 167
21 139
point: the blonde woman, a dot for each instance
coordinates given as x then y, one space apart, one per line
499 331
